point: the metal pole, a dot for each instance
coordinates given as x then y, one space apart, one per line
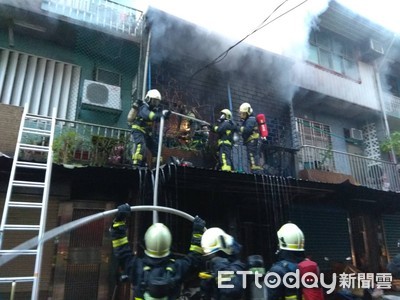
191 118
85 220
380 97
13 287
146 65
155 192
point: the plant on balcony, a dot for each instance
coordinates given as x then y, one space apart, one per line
392 143
65 145
108 150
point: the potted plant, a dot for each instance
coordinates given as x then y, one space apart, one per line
65 145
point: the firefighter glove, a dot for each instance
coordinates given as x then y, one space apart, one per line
198 225
124 211
166 113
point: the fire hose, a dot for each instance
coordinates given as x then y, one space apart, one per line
160 141
11 254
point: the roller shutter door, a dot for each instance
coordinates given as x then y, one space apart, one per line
326 232
391 226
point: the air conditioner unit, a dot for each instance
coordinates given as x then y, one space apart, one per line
372 50
376 46
356 134
101 96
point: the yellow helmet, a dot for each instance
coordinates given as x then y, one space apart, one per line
157 240
291 237
245 110
227 113
153 97
215 239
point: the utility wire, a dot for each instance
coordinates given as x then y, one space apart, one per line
262 25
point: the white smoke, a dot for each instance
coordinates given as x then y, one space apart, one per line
285 30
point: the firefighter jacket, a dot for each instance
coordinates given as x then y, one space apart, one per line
209 286
287 262
148 273
225 130
249 129
146 117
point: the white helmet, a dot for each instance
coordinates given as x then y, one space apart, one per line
157 240
153 97
215 239
227 113
245 110
291 237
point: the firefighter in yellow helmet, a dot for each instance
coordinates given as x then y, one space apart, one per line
225 129
251 137
290 253
221 253
147 112
157 275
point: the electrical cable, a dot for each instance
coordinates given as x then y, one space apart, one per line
262 25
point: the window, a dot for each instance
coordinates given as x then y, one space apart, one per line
314 133
316 142
393 85
333 53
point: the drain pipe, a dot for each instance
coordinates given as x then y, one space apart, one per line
146 67
377 68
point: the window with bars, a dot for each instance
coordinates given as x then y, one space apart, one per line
314 134
334 53
316 142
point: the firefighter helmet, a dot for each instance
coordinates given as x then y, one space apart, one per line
291 237
227 113
215 239
157 240
245 110
153 97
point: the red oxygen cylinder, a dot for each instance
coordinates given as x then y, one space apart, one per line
262 125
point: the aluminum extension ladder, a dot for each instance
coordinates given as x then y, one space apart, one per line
36 135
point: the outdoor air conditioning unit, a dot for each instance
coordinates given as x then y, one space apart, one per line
372 50
376 46
356 134
101 96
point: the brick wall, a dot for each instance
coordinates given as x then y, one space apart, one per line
10 119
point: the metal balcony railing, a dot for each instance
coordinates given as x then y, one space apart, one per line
109 15
372 173
78 143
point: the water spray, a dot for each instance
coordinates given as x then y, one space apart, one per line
11 254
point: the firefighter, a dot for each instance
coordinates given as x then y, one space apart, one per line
156 275
251 137
225 129
221 253
290 253
148 112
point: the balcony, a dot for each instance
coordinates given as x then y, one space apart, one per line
82 144
107 15
78 143
360 170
